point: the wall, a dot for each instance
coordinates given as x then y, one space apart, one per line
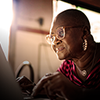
27 38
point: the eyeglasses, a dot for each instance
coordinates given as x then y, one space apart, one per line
60 34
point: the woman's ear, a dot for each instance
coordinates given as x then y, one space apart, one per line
86 32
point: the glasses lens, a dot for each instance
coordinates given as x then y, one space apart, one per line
60 33
50 39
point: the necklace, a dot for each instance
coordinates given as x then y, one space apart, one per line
84 72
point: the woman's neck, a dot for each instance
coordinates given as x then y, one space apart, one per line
86 61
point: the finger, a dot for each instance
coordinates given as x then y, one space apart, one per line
51 85
48 74
39 86
51 76
47 86
51 96
54 85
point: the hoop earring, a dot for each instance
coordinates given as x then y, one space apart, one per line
85 45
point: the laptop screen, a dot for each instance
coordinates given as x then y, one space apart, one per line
9 89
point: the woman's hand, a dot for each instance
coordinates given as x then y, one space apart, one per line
54 85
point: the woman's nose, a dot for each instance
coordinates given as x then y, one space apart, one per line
55 40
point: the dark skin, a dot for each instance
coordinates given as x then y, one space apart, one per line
59 85
65 88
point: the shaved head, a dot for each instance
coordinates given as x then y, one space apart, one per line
71 17
74 27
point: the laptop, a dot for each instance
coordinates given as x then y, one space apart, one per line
9 88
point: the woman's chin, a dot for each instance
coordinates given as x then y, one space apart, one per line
60 56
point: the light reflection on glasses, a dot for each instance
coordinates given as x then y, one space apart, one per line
60 34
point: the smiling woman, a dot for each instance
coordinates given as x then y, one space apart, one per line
5 23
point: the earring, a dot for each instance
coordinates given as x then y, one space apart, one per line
85 45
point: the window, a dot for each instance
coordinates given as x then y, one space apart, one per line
94 17
5 23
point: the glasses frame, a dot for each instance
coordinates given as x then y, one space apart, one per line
50 40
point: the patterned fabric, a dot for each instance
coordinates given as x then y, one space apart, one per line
68 68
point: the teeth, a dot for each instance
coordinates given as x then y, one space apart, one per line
56 49
59 49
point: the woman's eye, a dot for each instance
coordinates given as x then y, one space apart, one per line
61 33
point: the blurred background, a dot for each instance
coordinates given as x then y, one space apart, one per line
24 25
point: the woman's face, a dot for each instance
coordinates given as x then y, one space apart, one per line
71 45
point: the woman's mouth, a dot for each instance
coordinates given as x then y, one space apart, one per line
59 49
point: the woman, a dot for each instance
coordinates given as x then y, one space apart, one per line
78 77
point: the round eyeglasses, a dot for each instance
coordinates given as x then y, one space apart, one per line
60 34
